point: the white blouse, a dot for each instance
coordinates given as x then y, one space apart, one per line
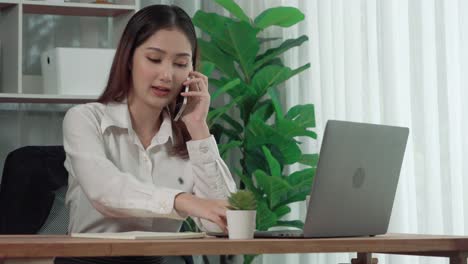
116 185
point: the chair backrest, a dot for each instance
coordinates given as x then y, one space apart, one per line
32 191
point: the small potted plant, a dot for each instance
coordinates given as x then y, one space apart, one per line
241 215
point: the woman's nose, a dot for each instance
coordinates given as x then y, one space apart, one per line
166 74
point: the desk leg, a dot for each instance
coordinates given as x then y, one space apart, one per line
460 258
366 258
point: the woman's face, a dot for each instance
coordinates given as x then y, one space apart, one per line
159 67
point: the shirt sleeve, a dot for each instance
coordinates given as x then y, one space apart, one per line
212 178
112 192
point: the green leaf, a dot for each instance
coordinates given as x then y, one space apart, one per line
303 115
207 68
291 129
233 123
300 69
228 86
234 9
301 178
275 168
243 39
223 148
248 259
254 160
275 188
309 159
295 223
217 131
276 61
264 40
265 217
297 122
264 109
243 90
224 62
273 52
279 16
258 134
232 134
214 114
273 93
215 26
189 225
216 83
246 99
301 182
282 211
273 75
211 23
269 76
248 183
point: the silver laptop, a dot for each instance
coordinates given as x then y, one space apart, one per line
355 182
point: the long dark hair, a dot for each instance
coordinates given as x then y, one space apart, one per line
139 28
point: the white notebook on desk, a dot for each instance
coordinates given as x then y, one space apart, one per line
138 235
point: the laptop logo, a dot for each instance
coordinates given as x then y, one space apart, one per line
358 177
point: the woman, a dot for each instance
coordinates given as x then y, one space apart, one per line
131 166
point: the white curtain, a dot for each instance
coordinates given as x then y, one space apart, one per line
396 62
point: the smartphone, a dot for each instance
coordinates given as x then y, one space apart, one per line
181 102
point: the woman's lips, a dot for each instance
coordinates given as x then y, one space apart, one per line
160 91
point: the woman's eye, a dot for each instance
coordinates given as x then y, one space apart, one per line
154 60
181 65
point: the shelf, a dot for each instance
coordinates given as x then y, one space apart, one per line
76 9
21 43
7 3
43 98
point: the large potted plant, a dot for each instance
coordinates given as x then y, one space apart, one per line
264 134
254 123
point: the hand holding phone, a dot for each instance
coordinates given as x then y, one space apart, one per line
181 103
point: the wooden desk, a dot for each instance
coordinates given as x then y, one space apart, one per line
37 246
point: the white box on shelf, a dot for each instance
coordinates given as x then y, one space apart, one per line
76 71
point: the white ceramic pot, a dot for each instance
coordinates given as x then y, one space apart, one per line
241 223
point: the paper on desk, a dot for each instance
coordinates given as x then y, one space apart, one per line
136 235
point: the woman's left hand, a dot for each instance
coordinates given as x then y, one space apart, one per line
198 105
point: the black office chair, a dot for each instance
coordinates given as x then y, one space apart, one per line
32 191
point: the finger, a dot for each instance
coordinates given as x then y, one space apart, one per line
223 203
222 224
219 222
196 84
221 211
200 75
195 94
199 84
224 219
192 80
